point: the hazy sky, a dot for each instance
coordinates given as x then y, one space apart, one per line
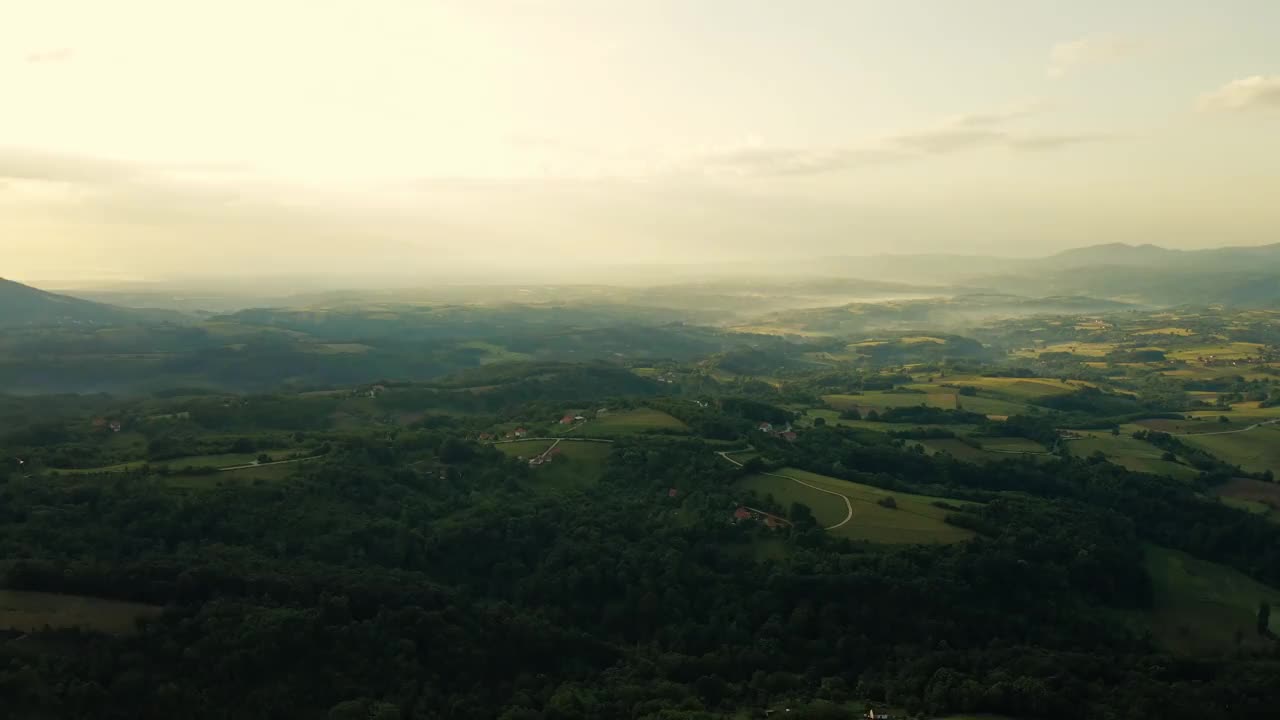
141 138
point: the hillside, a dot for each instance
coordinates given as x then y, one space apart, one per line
25 306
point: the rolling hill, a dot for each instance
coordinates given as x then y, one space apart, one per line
25 306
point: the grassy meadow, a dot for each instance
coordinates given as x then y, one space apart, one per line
1201 606
578 465
626 422
1129 452
27 611
916 519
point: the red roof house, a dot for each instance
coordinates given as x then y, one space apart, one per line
742 514
673 492
566 420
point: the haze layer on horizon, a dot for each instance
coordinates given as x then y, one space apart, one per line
152 139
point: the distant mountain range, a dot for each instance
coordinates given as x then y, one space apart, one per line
25 306
1143 274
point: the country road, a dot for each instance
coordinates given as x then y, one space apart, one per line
258 465
1254 426
847 504
555 439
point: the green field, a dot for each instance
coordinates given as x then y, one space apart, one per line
1012 445
1021 388
833 418
882 400
959 450
1200 606
27 611
578 464
916 519
626 422
992 450
1220 351
263 473
1255 450
216 461
1129 452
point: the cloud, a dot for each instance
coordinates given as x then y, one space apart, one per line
1053 142
1251 93
956 134
949 139
1015 111
55 55
780 161
1068 57
24 164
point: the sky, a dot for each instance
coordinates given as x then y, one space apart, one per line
152 139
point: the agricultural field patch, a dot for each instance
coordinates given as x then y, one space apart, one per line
1131 453
340 348
27 611
879 400
1084 349
1175 331
196 461
1200 607
915 520
574 466
639 420
1022 388
1218 351
261 473
1264 494
1012 445
1254 450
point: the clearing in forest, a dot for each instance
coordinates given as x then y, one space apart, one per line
1129 452
28 611
639 420
574 464
915 520
1200 607
1253 450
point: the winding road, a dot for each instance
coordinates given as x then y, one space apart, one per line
1254 426
847 503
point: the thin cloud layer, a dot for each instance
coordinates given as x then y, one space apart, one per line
961 133
1252 93
54 55
1068 57
782 161
27 164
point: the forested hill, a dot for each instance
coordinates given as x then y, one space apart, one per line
25 306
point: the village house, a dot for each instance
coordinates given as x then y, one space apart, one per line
520 432
766 427
566 420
